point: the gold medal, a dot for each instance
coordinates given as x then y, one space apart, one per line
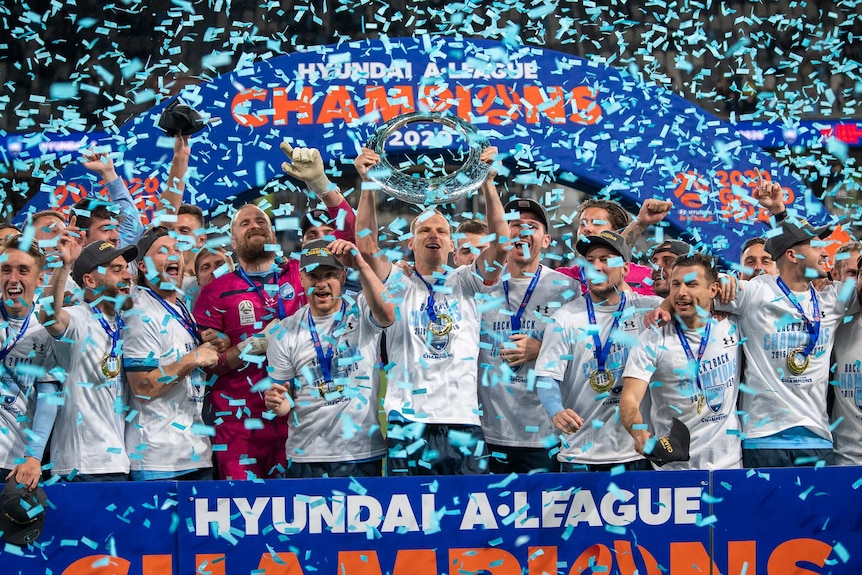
111 366
700 402
442 326
797 362
601 381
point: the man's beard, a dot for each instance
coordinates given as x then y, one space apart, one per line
250 250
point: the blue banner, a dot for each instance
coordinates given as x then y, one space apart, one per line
569 120
773 522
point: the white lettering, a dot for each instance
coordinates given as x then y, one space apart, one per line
356 505
203 516
583 509
319 513
554 504
299 515
478 512
251 513
686 504
399 515
522 509
645 505
624 514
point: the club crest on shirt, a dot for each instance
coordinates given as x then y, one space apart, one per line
286 291
246 312
857 394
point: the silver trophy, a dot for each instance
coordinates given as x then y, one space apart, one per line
436 190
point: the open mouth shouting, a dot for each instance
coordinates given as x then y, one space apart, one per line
172 270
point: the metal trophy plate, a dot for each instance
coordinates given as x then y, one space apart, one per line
437 190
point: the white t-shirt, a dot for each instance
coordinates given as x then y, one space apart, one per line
660 359
27 364
433 378
89 431
847 434
568 356
334 421
512 414
772 328
167 432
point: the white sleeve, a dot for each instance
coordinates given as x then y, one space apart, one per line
556 351
644 357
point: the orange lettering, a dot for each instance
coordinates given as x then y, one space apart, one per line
786 557
279 564
283 105
597 558
390 103
98 565
248 119
587 111
742 556
338 105
542 560
210 564
549 103
690 558
157 564
436 98
626 560
412 561
494 561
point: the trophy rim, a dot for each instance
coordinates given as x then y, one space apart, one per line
440 189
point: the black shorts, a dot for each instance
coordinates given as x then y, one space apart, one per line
435 449
308 470
757 458
506 459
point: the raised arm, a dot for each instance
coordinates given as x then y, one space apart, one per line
770 196
382 311
652 212
52 315
366 217
172 196
131 229
492 259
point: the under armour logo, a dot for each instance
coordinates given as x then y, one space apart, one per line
542 309
38 347
730 340
629 325
349 324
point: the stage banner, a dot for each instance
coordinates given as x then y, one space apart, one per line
103 529
558 119
786 521
545 523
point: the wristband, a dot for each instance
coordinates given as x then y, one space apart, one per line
321 186
780 217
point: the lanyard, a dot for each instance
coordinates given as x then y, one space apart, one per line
429 305
7 350
267 301
324 358
183 316
601 351
700 350
113 334
812 325
516 319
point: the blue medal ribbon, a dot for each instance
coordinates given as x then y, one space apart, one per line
704 340
267 301
113 334
515 320
429 304
602 351
8 348
812 325
324 358
183 316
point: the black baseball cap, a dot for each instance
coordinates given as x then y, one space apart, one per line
98 254
527 205
606 238
793 233
149 238
672 447
22 513
676 247
316 254
316 218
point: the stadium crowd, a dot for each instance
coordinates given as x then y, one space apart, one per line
133 353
